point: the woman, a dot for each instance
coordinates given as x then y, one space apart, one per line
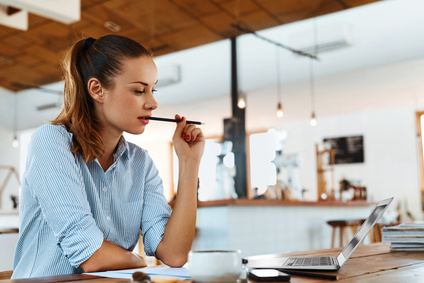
87 192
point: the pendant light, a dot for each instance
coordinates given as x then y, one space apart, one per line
241 100
15 142
280 112
311 74
311 85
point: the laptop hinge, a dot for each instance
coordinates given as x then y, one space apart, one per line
340 260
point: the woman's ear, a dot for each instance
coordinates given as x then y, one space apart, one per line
95 90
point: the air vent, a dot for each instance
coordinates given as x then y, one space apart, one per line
168 75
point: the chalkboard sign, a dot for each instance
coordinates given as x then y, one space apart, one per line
347 149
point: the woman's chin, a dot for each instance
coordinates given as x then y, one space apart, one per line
136 132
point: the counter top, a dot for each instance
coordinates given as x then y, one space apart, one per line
9 212
266 202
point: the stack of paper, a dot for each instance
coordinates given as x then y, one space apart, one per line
405 237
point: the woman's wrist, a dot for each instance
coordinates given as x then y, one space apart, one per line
189 164
138 260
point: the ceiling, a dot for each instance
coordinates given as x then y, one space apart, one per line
32 58
381 67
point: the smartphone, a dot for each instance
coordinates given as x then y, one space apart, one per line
268 275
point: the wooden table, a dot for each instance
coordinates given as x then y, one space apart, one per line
369 263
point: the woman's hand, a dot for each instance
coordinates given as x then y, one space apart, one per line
189 141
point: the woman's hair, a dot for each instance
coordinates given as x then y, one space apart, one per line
90 58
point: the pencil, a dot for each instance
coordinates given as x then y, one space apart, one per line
309 274
173 120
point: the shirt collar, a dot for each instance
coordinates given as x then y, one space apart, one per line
122 148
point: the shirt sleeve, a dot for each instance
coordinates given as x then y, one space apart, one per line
55 182
156 211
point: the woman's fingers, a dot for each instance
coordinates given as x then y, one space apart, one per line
195 133
191 132
187 132
180 126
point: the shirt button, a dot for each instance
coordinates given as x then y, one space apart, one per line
104 189
108 218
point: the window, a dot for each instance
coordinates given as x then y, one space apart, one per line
216 171
262 151
420 144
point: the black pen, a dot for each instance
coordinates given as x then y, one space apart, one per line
173 120
309 274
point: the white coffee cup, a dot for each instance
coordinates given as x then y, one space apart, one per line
215 265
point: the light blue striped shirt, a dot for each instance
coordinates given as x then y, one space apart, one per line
68 207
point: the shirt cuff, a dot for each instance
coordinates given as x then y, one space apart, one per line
154 236
83 240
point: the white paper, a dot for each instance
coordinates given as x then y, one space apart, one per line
180 273
111 274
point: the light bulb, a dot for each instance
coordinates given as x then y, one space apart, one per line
241 103
313 120
280 112
15 142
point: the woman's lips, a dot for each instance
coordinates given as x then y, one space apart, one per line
143 120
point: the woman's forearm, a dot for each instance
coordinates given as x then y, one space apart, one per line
109 257
179 232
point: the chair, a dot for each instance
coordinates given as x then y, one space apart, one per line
343 226
150 260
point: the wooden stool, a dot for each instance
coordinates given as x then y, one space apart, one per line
375 233
6 274
343 226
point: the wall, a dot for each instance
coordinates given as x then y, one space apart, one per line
391 163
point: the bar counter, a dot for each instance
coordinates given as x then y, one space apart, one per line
270 226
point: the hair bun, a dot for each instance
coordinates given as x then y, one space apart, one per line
88 42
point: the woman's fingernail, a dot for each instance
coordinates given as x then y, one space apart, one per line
188 138
182 119
192 138
184 135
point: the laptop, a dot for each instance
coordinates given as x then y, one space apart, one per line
322 263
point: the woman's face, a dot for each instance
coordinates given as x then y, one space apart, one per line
131 97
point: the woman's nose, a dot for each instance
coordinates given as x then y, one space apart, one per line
151 103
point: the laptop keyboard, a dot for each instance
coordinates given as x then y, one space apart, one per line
308 261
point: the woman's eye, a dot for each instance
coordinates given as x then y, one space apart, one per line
139 91
154 90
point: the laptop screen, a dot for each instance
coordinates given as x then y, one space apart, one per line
363 230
